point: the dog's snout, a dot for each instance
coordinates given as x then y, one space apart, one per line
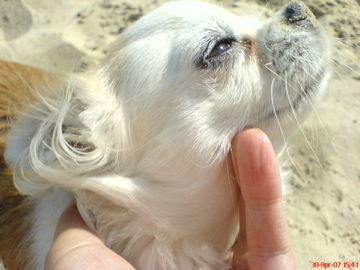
295 11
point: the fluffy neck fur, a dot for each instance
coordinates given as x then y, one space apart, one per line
174 202
144 191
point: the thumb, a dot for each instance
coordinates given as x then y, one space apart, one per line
76 247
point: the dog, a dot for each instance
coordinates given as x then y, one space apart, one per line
141 142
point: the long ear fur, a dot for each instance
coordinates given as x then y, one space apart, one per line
68 132
16 82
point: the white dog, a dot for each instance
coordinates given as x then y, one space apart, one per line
141 142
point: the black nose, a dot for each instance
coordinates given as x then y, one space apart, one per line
295 11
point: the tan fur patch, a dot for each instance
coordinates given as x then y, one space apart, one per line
15 222
16 85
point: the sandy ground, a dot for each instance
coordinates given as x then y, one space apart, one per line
324 205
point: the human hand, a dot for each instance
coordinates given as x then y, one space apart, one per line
78 247
264 242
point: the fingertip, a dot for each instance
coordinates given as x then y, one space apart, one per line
256 165
253 154
248 138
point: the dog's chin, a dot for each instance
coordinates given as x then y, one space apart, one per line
284 120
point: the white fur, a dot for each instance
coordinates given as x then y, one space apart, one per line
142 140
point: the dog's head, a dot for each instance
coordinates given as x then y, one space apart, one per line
179 84
194 74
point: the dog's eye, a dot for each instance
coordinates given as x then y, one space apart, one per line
221 47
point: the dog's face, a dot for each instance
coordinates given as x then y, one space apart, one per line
199 74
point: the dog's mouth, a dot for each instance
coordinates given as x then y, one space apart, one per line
293 50
305 95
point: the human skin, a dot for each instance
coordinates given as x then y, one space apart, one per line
263 243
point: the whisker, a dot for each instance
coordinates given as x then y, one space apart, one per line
322 125
273 72
280 127
299 126
346 66
345 38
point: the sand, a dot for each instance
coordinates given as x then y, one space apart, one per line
324 205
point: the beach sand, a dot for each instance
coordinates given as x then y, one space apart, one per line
324 204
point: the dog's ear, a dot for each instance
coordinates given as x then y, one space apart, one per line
56 139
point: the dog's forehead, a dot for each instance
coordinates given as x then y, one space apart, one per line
189 10
192 16
183 23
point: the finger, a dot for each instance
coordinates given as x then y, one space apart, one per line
77 247
267 233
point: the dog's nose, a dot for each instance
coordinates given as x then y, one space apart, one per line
295 11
